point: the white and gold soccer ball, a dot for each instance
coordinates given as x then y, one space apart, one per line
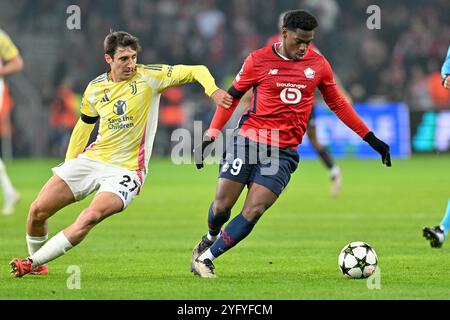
358 260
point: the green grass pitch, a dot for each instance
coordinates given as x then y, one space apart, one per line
144 252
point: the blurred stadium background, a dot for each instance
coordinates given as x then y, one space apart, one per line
399 63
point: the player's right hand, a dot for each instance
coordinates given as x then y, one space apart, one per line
222 98
200 150
379 146
446 81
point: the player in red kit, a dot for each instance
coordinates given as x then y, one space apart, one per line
324 154
264 150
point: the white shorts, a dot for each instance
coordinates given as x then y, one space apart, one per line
84 175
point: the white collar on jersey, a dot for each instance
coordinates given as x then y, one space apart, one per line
275 46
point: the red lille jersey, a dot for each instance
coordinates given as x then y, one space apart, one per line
283 96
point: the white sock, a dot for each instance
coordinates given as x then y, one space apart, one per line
206 255
54 248
335 171
7 186
213 238
35 243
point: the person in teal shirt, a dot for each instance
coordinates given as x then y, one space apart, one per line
437 234
445 71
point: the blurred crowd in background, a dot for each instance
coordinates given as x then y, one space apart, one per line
399 62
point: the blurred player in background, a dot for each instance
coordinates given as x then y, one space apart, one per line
284 78
437 234
445 71
325 155
10 62
125 101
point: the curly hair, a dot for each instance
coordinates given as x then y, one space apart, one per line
299 19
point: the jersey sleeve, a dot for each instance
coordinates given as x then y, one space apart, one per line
87 107
220 118
245 79
79 139
338 104
166 76
7 48
85 125
327 79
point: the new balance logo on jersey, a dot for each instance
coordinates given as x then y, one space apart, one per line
273 71
309 73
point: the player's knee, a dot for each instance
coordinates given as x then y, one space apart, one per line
221 207
37 212
254 212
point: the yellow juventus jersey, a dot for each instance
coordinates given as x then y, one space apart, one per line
7 48
128 113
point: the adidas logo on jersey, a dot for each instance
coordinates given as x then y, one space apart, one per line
124 194
273 71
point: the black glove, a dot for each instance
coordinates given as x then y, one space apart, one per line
381 147
200 150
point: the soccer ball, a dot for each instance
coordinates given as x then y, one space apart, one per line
357 260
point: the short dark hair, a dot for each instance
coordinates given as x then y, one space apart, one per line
299 19
120 39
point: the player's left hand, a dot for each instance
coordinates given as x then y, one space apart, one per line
222 98
379 146
200 150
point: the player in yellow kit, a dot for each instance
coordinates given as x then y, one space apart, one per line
10 62
125 101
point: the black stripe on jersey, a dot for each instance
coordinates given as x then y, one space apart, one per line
255 98
235 93
243 118
88 119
